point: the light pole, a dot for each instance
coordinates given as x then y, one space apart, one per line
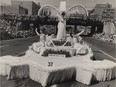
2 7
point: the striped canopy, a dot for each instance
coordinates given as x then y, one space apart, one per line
48 10
77 9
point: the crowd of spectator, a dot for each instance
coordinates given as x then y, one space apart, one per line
106 37
9 25
9 30
17 17
83 16
77 17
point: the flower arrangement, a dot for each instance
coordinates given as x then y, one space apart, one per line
51 51
58 43
61 42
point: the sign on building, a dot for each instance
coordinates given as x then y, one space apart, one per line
108 14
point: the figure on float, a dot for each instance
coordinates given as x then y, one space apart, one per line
61 34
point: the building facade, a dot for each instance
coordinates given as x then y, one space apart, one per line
102 10
19 10
107 14
0 10
30 5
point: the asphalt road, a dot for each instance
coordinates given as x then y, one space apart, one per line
16 46
102 50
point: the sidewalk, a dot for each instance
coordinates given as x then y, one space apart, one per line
114 42
6 42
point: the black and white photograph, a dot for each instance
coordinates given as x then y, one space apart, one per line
57 43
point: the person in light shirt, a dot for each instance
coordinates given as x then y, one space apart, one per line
45 40
74 38
77 38
42 35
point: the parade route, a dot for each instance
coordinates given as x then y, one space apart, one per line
18 46
102 50
57 43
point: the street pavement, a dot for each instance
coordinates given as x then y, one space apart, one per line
102 50
16 46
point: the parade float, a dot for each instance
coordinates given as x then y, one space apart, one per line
58 59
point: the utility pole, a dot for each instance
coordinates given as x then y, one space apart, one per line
2 7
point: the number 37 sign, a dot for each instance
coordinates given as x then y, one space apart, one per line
50 64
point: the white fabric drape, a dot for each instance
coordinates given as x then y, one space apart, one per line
82 68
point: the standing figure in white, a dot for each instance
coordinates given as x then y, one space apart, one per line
61 34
